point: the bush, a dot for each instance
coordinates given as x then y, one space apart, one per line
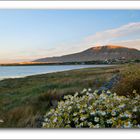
91 110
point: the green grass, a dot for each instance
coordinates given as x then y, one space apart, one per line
24 100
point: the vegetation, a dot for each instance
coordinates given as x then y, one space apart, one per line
130 80
23 101
92 110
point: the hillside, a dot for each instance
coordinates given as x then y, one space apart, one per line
96 53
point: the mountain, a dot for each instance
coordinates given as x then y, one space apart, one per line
96 53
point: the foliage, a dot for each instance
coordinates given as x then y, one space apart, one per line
130 79
24 100
92 110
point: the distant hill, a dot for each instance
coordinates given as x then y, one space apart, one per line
96 53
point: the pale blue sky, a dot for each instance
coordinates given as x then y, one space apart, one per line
31 34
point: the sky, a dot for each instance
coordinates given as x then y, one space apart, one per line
26 35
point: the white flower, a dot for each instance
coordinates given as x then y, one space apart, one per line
75 119
109 121
96 119
46 119
128 125
92 113
82 111
69 108
84 90
122 106
97 126
89 123
83 118
103 113
55 120
76 94
135 109
1 121
89 89
75 114
138 125
113 113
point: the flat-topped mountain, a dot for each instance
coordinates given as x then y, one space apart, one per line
96 53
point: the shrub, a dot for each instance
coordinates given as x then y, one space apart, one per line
90 110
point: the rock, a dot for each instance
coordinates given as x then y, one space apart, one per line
1 121
109 85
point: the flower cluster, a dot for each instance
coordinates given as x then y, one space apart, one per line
92 110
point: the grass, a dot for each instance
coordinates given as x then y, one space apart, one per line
23 101
130 80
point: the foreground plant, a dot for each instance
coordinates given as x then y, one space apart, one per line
92 110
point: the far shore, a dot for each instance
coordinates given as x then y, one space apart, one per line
51 72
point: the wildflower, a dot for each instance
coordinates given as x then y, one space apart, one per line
103 113
135 109
122 106
69 108
96 119
127 125
76 94
82 111
138 125
92 113
75 114
84 90
89 89
46 119
113 113
81 124
134 91
90 107
97 126
1 121
83 117
75 119
89 123
55 120
127 114
109 121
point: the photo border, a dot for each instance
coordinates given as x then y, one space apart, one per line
69 133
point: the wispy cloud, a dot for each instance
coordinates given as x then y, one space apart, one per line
105 37
125 35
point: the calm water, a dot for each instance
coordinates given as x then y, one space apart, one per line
22 71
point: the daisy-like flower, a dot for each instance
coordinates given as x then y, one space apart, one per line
92 113
89 89
122 106
135 109
83 117
75 119
127 125
69 108
103 113
75 114
96 119
55 120
109 121
97 126
113 113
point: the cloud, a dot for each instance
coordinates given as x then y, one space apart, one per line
127 35
111 36
124 36
105 37
129 43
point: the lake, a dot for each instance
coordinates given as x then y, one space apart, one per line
22 71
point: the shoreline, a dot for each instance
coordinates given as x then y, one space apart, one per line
24 76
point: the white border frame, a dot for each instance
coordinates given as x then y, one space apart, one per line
69 4
69 133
